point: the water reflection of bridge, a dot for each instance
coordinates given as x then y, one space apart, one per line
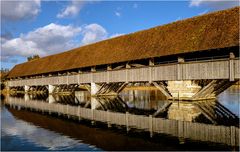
84 134
209 111
101 112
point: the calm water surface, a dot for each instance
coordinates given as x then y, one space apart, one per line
26 130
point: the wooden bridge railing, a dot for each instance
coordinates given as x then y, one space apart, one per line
228 135
219 69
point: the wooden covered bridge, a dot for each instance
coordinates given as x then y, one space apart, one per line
194 58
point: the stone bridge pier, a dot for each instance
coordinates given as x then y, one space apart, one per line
193 89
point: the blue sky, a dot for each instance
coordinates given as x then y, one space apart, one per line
49 27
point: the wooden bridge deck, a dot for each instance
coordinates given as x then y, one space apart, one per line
228 135
198 70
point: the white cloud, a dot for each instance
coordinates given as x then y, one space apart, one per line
51 39
118 14
71 10
17 10
93 33
45 40
214 4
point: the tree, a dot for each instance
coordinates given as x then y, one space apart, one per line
34 57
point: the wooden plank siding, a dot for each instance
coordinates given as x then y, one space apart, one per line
219 69
228 135
237 68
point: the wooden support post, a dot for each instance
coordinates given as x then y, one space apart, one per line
126 75
78 113
180 129
151 125
231 66
232 136
49 110
67 78
127 123
150 74
109 67
67 112
151 62
93 69
128 66
181 60
179 68
108 119
92 113
181 132
231 55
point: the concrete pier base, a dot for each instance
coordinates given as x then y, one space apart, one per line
94 103
26 88
197 90
51 89
183 111
183 89
51 99
94 88
26 97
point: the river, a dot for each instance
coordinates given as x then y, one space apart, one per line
26 130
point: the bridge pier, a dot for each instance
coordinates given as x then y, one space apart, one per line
193 89
95 103
26 97
183 89
26 88
94 88
51 89
51 99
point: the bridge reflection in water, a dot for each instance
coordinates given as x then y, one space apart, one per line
183 117
139 103
58 134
